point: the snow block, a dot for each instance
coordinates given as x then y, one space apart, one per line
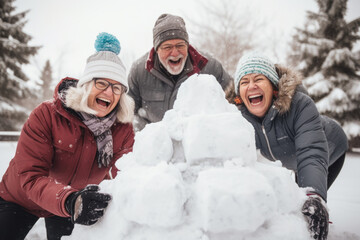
202 94
221 136
289 197
150 150
174 124
233 200
152 196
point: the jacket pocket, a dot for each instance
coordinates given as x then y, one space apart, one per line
154 103
63 146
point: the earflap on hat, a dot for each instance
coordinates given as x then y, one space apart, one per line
105 63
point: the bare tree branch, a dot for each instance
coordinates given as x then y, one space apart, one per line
225 30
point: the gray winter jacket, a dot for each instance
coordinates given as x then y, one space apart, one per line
154 91
293 132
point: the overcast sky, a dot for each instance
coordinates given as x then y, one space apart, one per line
67 29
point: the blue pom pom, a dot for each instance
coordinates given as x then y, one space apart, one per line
107 42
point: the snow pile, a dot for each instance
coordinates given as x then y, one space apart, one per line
195 175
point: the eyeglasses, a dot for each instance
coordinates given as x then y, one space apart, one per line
102 84
170 47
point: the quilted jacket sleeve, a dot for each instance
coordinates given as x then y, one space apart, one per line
311 145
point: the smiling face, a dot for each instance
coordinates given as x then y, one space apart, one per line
103 101
256 91
172 55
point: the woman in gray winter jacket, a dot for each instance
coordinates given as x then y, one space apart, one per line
289 128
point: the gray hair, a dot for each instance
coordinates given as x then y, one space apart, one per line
77 99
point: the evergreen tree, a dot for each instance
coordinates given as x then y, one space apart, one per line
323 52
46 77
14 51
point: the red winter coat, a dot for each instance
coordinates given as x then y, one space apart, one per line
55 156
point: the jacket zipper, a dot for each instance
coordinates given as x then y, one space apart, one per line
267 141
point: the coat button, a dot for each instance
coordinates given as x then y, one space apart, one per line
60 141
70 146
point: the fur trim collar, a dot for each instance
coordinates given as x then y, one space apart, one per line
289 81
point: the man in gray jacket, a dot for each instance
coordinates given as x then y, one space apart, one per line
155 78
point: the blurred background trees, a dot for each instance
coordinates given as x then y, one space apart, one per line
222 30
14 52
46 85
323 52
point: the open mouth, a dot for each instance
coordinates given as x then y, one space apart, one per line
175 61
103 102
255 99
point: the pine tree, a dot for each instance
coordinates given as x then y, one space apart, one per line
14 51
323 52
46 77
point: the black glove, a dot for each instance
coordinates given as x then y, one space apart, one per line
317 216
87 206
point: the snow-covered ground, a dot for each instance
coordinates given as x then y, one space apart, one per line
192 183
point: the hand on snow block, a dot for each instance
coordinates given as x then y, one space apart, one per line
87 206
317 216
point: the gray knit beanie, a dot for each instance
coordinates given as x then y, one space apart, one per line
255 62
168 27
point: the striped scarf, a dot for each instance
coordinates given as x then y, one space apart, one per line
101 129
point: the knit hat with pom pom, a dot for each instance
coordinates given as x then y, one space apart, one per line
105 63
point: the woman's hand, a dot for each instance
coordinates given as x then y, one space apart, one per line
87 206
317 216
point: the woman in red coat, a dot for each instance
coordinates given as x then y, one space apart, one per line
67 147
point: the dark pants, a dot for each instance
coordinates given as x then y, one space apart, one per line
333 170
16 222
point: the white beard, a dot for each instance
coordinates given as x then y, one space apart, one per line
171 69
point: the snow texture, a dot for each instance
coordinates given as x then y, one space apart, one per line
352 128
337 101
195 175
335 85
340 56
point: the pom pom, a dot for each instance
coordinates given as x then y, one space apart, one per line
107 42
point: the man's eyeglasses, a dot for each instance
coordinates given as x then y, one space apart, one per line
102 84
170 47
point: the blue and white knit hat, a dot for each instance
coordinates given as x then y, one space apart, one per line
105 63
255 62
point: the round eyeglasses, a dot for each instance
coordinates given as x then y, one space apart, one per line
169 47
102 84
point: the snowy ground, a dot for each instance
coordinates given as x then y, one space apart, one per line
169 190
